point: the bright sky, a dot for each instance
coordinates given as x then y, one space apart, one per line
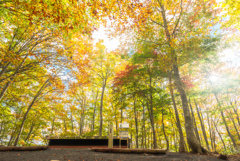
111 44
231 56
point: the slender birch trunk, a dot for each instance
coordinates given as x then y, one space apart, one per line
29 108
220 136
136 120
225 122
163 128
101 108
202 125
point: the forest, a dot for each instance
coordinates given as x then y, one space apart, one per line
174 77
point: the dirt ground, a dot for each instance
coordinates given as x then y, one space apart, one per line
88 155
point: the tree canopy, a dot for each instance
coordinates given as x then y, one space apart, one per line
171 78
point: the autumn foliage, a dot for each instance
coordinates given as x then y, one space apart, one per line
168 79
125 76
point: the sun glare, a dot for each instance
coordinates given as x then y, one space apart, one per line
110 43
214 78
231 56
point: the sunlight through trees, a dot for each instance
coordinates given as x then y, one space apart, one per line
165 67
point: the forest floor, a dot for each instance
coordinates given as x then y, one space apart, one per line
89 155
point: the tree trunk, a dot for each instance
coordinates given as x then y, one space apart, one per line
163 128
72 123
12 77
220 136
210 131
65 126
82 114
14 132
151 136
4 69
214 135
151 112
235 110
193 143
29 108
116 118
121 115
202 125
182 142
225 122
101 108
144 128
234 124
116 126
94 111
131 134
30 132
148 140
93 121
142 138
136 120
52 125
12 136
11 140
1 129
194 121
175 142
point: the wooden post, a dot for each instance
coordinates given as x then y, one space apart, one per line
110 136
